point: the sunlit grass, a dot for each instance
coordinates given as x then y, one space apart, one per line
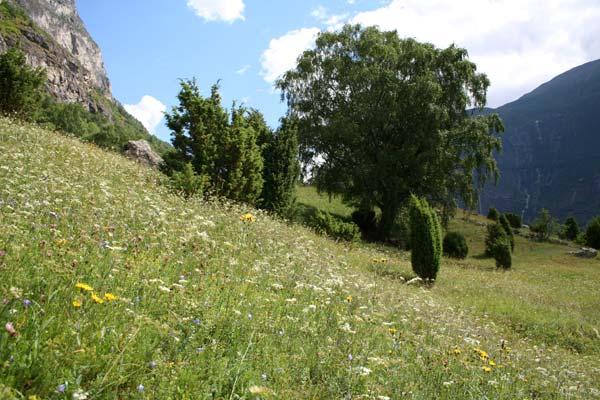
211 303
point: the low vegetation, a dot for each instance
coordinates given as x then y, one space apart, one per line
116 287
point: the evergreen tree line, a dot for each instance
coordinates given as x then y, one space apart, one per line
231 154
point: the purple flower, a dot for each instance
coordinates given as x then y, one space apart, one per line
2 253
350 358
196 321
61 388
26 303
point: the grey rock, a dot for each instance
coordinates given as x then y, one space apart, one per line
585 252
140 150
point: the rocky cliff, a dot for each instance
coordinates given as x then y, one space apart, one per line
551 149
53 36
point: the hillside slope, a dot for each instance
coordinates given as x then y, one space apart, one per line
208 306
550 158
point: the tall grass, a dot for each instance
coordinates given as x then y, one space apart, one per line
213 306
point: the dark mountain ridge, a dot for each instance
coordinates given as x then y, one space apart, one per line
551 155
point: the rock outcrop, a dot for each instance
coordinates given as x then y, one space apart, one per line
141 151
53 36
585 252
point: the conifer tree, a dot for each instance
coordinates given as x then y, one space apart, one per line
426 239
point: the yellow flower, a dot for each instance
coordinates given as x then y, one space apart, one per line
492 363
76 303
110 297
97 299
248 218
84 286
33 397
457 351
392 331
349 299
487 369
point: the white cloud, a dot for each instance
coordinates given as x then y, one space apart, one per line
519 44
284 51
332 21
149 111
218 10
243 70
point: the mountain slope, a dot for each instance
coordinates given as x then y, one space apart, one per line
550 157
209 306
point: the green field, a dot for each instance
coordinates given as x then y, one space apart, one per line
212 307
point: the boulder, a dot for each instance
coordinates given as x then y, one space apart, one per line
585 252
140 150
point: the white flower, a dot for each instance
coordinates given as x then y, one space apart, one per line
363 371
80 395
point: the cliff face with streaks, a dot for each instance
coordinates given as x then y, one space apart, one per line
53 36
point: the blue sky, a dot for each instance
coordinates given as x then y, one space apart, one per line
149 44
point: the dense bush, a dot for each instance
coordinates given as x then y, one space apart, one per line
514 220
325 223
592 233
21 87
493 214
495 233
187 183
571 229
544 225
426 239
281 167
498 245
506 225
455 245
220 145
366 220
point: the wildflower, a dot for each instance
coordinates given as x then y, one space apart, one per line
363 371
349 299
10 329
492 363
248 218
110 297
97 299
2 253
258 390
487 369
457 351
263 377
350 358
76 303
392 331
140 388
152 364
26 303
84 287
61 388
196 321
16 292
80 395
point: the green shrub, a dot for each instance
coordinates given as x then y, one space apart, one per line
426 239
506 225
455 245
514 220
187 183
21 87
493 214
571 229
366 220
495 233
502 253
498 245
592 233
325 223
544 225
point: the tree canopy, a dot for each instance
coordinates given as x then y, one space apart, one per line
381 118
21 90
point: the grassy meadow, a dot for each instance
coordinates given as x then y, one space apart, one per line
114 288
